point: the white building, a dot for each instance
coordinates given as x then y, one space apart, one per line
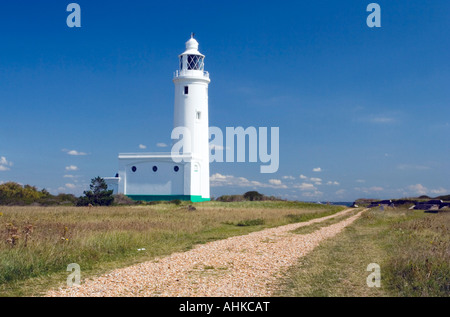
158 176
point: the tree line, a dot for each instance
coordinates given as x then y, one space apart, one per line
14 194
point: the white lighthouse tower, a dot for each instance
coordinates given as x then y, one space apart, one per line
184 176
191 112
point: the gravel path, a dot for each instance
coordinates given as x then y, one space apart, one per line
239 266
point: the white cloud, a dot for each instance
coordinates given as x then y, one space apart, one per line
275 181
218 180
4 164
419 189
71 168
360 181
369 190
317 169
71 176
312 194
303 176
218 176
71 186
440 191
333 183
254 183
288 177
142 146
340 192
161 144
305 187
74 152
316 180
228 180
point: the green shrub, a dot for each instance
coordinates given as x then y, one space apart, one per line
247 223
99 195
253 196
176 202
14 194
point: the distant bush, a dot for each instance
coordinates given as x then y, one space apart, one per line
248 196
445 197
148 203
230 198
253 195
66 199
14 194
176 202
121 199
99 195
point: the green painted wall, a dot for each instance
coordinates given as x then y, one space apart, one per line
194 199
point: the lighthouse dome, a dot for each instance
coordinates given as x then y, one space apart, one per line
192 44
192 47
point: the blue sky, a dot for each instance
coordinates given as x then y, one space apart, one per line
362 112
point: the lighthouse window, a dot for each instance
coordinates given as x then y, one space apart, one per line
155 168
186 90
199 115
176 168
134 169
195 62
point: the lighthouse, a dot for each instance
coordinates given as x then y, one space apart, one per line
191 112
169 176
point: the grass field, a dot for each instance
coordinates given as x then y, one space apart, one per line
412 249
37 243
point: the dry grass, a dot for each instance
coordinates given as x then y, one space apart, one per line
411 247
421 266
102 238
